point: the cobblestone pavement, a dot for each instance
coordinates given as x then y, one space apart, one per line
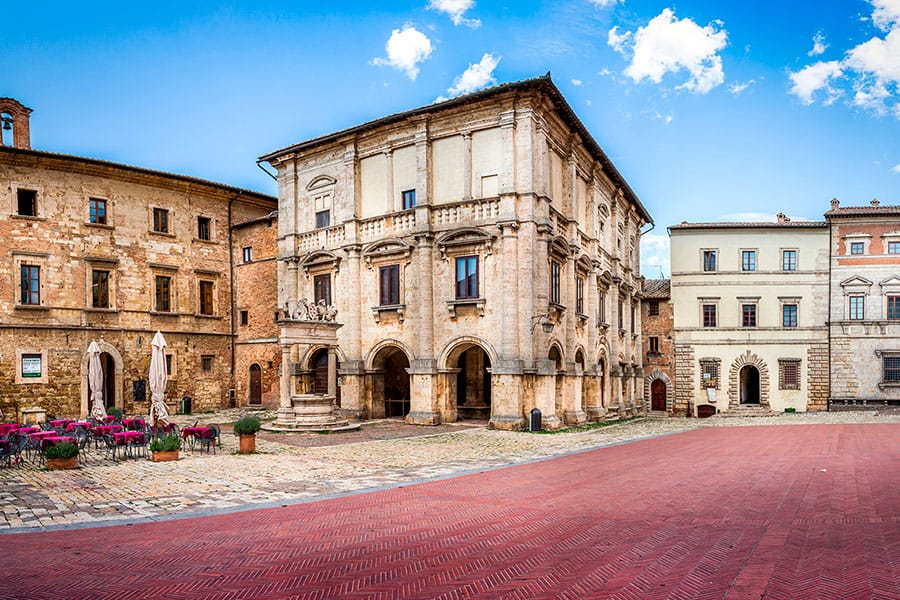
805 511
295 468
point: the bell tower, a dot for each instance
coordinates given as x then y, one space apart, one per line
14 130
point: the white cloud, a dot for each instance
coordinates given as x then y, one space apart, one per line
604 72
405 49
819 45
577 82
605 3
476 76
815 77
871 69
736 88
655 255
456 9
896 169
666 45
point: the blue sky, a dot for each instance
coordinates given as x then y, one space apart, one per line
711 110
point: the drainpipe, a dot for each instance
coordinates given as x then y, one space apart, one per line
828 316
232 298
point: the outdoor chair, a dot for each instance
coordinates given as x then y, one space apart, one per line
82 438
11 447
112 447
208 440
137 446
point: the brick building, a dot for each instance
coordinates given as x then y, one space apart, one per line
93 250
864 324
483 256
658 329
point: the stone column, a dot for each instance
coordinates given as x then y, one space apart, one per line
467 166
285 406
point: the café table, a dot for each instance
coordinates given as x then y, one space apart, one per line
27 430
126 439
133 423
60 422
194 432
75 424
7 427
101 430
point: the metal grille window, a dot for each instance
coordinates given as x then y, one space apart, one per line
857 308
748 315
748 260
554 282
466 277
206 362
789 260
788 374
389 277
100 289
789 315
30 285
97 211
709 260
709 373
322 288
891 367
893 307
206 297
653 308
654 344
709 315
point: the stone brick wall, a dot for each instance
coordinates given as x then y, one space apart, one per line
817 383
684 379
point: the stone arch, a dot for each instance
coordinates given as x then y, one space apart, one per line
748 358
370 362
320 181
119 377
389 386
556 345
304 360
458 345
654 375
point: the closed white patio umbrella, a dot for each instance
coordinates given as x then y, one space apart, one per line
159 377
95 382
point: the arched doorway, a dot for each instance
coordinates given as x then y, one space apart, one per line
319 366
473 384
255 387
109 380
555 356
658 395
390 392
749 382
601 375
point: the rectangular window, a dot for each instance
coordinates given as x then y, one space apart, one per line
788 374
789 260
204 228
709 315
893 247
245 318
27 202
160 220
632 320
323 219
554 282
856 247
163 293
653 308
621 315
748 260
891 367
893 307
601 308
748 315
654 344
466 277
709 260
409 199
206 362
389 285
30 285
248 254
322 288
206 297
789 315
857 308
100 289
169 361
579 295
709 373
97 211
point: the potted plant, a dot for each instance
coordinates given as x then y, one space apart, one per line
245 428
165 448
61 456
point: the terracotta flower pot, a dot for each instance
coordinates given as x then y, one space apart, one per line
248 443
161 456
56 464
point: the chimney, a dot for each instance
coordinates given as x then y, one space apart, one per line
875 202
782 218
835 203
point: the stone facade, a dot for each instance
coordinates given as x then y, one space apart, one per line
865 304
91 250
751 304
658 330
483 256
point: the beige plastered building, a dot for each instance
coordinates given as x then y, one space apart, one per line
483 257
751 303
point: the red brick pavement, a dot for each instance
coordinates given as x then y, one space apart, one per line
807 511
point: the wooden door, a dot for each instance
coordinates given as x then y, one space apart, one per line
658 395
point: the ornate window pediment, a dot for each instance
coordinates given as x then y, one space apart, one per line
559 248
892 282
320 260
464 241
584 265
856 283
391 249
320 182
